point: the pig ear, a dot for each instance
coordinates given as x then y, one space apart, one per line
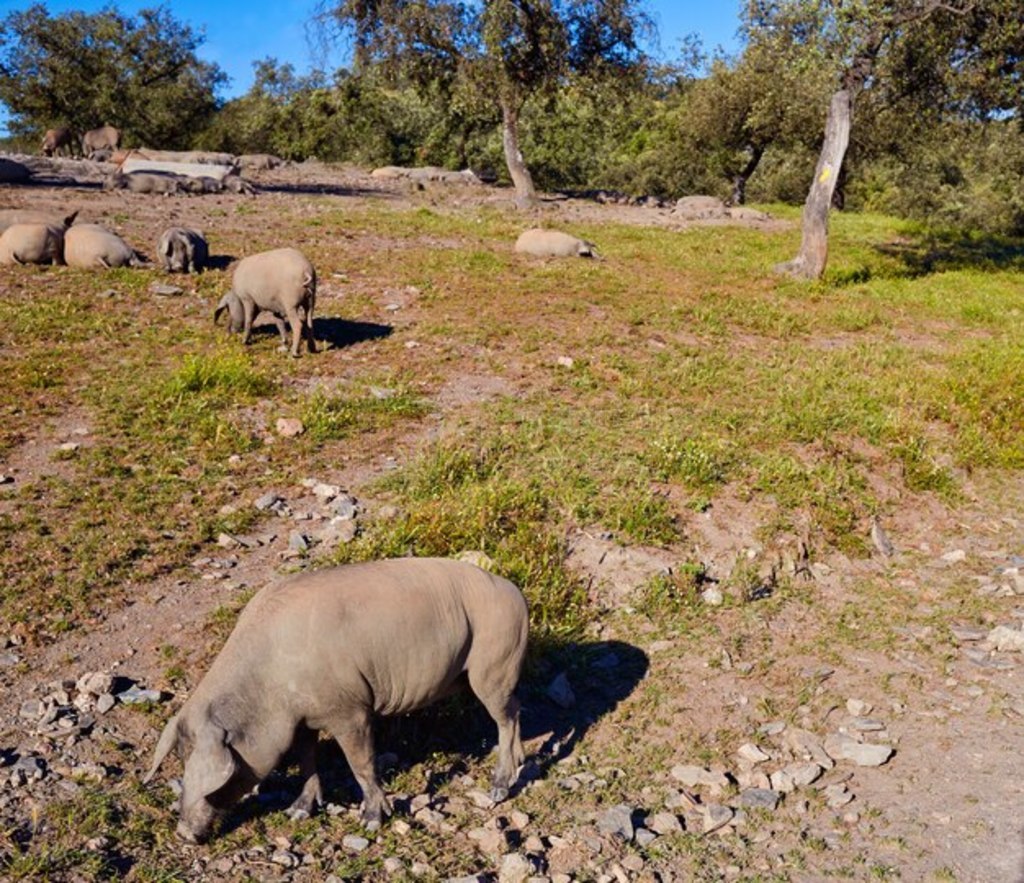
168 742
212 763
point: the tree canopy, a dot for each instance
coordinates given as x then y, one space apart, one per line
140 74
508 50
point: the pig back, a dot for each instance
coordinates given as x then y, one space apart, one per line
391 635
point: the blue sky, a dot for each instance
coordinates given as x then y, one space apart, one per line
239 32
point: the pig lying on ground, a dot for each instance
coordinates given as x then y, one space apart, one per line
328 650
144 182
553 243
279 282
12 216
32 244
90 245
182 250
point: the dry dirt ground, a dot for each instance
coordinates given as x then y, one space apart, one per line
948 805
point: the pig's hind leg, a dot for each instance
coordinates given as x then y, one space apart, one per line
311 796
499 699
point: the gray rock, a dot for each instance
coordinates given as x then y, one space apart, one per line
965 633
560 691
752 754
105 702
135 695
7 659
692 776
617 822
344 507
644 837
759 798
843 747
162 290
392 865
1005 639
285 858
354 843
664 823
837 796
95 683
773 728
267 501
881 539
866 725
515 868
32 709
716 816
807 746
298 542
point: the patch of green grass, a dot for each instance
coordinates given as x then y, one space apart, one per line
339 416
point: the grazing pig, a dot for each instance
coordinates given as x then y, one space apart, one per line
57 139
553 243
330 649
182 250
32 244
103 138
280 282
90 245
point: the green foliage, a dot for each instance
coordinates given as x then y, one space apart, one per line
80 70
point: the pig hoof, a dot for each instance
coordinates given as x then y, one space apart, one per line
297 815
498 794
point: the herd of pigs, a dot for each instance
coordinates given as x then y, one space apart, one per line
453 617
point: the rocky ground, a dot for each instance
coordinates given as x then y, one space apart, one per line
762 751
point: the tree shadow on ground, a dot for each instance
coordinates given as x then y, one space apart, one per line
458 728
936 252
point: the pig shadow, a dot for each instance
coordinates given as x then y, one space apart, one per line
335 333
447 735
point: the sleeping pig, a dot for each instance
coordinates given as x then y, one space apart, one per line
329 650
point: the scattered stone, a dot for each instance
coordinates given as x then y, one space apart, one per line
560 691
488 840
298 542
325 492
955 556
518 819
644 837
881 539
32 709
759 798
515 868
480 799
858 708
286 858
617 822
1005 639
8 658
68 447
842 747
965 633
692 776
268 501
806 746
289 427
837 796
105 702
344 507
716 816
866 725
633 863
393 865
566 362
752 754
773 728
354 843
664 823
712 596
226 541
162 290
135 695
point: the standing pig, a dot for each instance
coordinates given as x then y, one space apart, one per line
90 245
278 281
328 650
182 250
57 139
553 243
32 244
103 138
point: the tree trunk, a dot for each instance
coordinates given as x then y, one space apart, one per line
739 182
810 261
526 195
